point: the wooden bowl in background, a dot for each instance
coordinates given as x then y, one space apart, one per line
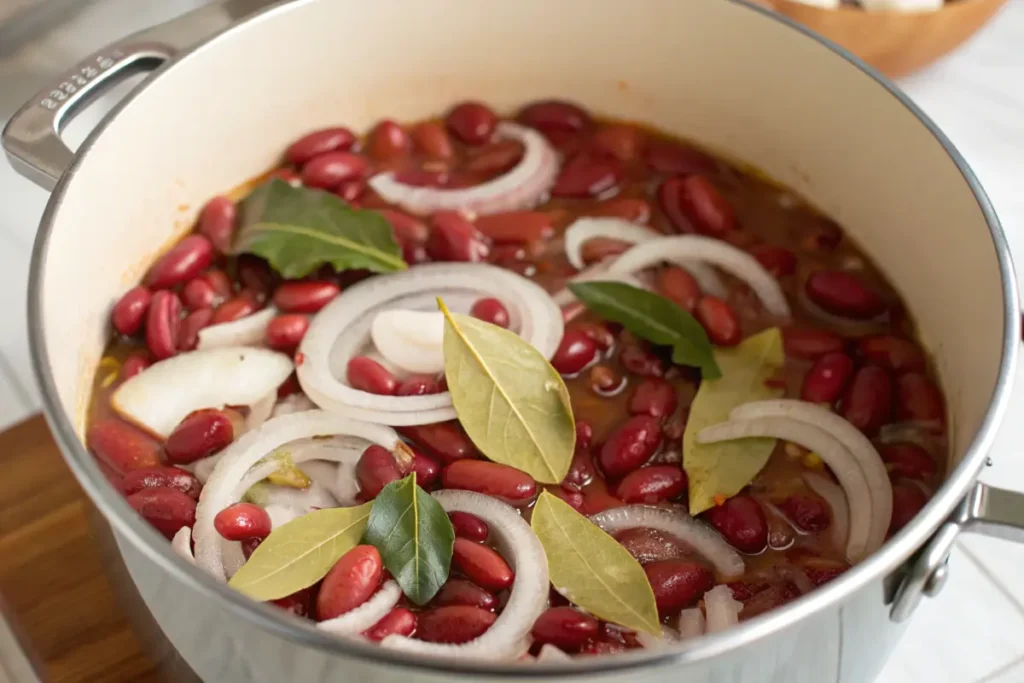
895 43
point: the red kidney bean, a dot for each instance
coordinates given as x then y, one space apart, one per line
366 374
458 591
842 293
454 238
350 583
129 312
867 404
653 396
121 445
568 493
620 140
472 122
809 514
920 400
581 470
184 261
201 434
320 142
445 440
628 209
162 324
565 628
376 469
741 522
907 501
778 261
495 158
221 284
398 622
286 331
287 175
133 365
604 380
672 158
601 335
387 141
631 445
469 526
307 296
680 286
491 311
235 309
810 344
575 352
300 603
650 545
217 223
670 198
908 460
198 294
188 330
490 478
453 624
597 249
289 387
405 227
678 584
826 380
426 468
720 321
432 139
705 206
242 521
329 170
640 361
554 115
587 175
516 227
351 190
420 385
166 509
584 435
892 353
597 499
160 477
481 565
653 484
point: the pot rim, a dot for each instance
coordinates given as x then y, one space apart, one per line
896 551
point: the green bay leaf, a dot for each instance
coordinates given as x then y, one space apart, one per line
414 536
723 469
592 569
513 405
298 554
652 317
299 229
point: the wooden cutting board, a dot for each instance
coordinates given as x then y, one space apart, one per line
51 578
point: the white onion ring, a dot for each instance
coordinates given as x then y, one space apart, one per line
599 272
848 327
682 249
159 397
675 522
341 330
260 411
295 403
830 449
691 623
660 642
521 188
357 620
529 594
410 340
723 609
868 459
222 488
551 653
181 543
836 499
248 331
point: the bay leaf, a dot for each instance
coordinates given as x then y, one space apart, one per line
298 554
722 469
592 569
513 405
652 317
414 536
299 229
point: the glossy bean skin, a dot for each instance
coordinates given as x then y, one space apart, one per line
469 526
454 238
427 470
431 138
458 591
827 379
286 331
217 222
564 627
720 321
653 396
516 227
844 294
328 171
162 324
741 522
587 175
398 622
376 469
350 582
920 401
184 261
123 447
555 115
908 460
630 446
388 141
810 344
167 509
129 313
189 328
160 477
366 374
778 261
490 478
472 122
678 285
907 501
867 404
575 352
481 565
678 584
672 158
320 142
445 440
242 522
651 545
492 311
892 353
809 513
651 485
200 435
304 297
236 308
453 624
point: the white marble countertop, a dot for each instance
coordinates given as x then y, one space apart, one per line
974 630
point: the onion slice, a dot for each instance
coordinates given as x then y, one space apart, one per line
260 411
521 188
862 450
181 543
528 597
691 623
598 272
159 397
248 331
682 249
830 449
357 620
675 522
224 486
722 608
410 340
551 653
836 500
584 229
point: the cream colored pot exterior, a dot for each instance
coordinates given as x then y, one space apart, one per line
728 76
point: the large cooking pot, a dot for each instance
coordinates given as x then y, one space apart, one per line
729 75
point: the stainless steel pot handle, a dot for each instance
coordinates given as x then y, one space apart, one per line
986 510
32 137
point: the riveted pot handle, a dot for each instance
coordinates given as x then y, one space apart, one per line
32 138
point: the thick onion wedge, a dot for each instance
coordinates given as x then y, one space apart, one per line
248 331
367 614
159 397
722 609
182 544
529 594
691 623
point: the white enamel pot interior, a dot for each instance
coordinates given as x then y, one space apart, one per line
728 76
